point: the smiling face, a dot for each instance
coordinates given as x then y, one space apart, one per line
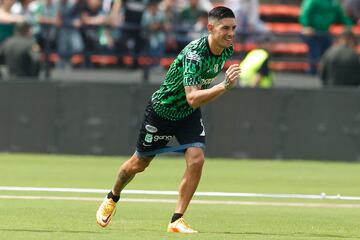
222 34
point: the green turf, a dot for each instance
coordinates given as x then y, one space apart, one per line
75 220
59 219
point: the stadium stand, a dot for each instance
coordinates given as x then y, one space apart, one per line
281 18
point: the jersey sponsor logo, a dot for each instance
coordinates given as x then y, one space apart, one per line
193 56
148 138
151 128
162 137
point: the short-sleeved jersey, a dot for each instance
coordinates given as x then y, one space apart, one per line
195 65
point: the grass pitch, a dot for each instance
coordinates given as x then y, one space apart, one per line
75 219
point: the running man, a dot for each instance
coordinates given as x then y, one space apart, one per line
174 110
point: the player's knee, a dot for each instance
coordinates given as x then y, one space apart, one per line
196 160
140 167
135 167
141 164
136 164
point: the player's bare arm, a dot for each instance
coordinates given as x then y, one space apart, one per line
197 97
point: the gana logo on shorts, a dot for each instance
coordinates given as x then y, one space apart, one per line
150 128
162 137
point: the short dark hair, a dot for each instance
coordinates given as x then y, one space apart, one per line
221 12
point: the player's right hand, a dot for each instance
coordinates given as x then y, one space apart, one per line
232 76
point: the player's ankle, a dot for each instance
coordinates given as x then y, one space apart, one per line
115 198
176 216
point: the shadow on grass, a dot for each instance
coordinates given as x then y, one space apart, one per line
47 231
297 234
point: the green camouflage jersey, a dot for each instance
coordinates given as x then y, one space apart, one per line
195 65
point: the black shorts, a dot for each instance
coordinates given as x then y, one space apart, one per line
156 132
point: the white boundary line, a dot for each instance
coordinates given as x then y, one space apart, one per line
207 202
174 193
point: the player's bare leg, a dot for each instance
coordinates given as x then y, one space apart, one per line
128 170
194 163
126 173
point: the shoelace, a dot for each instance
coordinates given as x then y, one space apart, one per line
108 208
184 223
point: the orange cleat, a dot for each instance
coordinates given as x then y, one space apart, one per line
105 212
180 226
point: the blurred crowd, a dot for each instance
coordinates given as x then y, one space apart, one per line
68 27
86 26
335 60
148 27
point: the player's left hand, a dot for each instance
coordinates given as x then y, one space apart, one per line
231 76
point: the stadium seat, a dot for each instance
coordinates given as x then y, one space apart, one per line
103 60
295 28
272 10
338 29
284 28
289 66
244 47
297 48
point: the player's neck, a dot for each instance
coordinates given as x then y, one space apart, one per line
214 48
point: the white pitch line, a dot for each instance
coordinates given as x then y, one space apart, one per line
207 202
174 193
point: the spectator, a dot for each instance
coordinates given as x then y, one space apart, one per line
190 14
93 20
340 65
255 69
204 5
153 27
200 28
26 9
187 19
316 17
70 41
170 25
7 19
20 53
131 39
116 20
45 28
249 25
352 10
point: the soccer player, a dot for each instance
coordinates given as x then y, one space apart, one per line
174 110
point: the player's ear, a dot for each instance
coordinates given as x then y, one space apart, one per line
210 27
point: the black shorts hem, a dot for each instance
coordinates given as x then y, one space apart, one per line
181 148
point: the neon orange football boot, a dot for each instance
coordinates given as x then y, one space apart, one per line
105 212
180 226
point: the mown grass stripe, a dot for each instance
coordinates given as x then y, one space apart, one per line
175 193
205 202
